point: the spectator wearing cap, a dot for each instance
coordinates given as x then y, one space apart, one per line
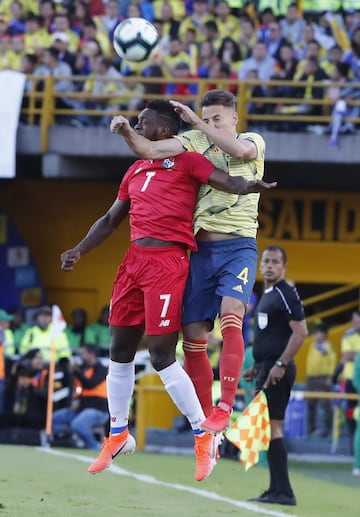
39 336
62 24
61 43
36 38
6 349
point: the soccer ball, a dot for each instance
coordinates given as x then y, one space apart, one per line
134 39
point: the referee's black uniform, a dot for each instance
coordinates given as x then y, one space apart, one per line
278 305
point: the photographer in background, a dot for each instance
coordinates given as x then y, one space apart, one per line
28 390
89 405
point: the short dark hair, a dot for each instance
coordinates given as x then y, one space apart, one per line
166 111
220 98
274 247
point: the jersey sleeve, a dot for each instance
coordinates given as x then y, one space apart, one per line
123 193
256 139
199 166
189 139
297 310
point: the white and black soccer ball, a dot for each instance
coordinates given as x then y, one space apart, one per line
135 39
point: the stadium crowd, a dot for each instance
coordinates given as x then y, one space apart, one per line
213 39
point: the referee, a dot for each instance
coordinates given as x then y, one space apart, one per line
280 329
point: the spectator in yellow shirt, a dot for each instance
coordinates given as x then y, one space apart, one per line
320 367
177 8
227 23
176 55
39 336
197 20
62 24
17 51
36 38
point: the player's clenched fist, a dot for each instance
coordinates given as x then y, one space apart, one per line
69 259
119 125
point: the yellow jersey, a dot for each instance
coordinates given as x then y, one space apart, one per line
350 343
221 212
321 360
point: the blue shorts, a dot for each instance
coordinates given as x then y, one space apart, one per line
218 269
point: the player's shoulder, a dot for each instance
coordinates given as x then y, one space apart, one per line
286 288
254 137
192 136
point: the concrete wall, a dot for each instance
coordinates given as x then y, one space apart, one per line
68 146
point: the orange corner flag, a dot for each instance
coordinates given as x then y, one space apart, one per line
251 432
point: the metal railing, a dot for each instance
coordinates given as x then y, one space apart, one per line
41 106
336 308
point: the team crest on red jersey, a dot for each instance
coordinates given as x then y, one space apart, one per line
168 163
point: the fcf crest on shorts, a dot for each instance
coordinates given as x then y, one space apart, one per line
263 321
168 163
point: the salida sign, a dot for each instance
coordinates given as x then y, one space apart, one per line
310 216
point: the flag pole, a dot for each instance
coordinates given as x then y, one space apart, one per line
58 324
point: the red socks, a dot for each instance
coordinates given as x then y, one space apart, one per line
231 358
198 367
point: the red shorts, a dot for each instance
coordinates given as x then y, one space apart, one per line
148 289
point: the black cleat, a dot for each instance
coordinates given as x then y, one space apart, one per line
275 498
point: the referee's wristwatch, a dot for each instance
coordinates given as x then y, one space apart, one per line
280 363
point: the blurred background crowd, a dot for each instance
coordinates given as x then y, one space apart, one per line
214 39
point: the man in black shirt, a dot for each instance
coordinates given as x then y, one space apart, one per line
280 329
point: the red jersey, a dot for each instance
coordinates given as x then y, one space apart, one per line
162 196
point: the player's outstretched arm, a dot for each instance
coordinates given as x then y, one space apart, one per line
141 146
237 184
98 232
242 149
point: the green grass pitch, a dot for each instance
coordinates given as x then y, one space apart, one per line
55 482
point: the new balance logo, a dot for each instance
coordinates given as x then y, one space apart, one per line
164 323
238 288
